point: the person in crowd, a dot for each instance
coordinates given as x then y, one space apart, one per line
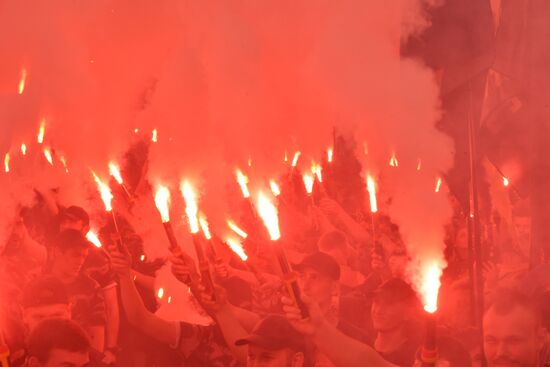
512 331
88 307
58 343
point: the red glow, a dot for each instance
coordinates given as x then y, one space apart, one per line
438 184
64 163
205 228
115 172
393 160
160 293
308 182
93 238
419 165
330 153
154 137
48 155
242 180
269 215
371 187
317 170
505 181
24 149
430 286
237 248
22 81
296 158
274 188
7 162
105 193
41 132
162 202
191 207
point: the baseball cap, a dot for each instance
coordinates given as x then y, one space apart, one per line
75 213
43 291
395 290
321 263
274 332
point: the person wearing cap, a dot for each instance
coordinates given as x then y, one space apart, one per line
97 266
88 307
274 343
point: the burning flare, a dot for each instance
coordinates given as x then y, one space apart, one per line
242 180
191 207
24 149
236 229
274 188
237 248
7 162
330 155
92 237
268 213
105 192
286 156
160 293
438 184
205 228
22 81
295 159
429 289
393 160
115 172
317 170
371 187
505 181
308 182
64 163
48 155
162 202
41 132
154 137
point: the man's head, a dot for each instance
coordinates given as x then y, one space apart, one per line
318 276
44 298
58 343
513 336
275 343
335 244
70 252
74 217
394 305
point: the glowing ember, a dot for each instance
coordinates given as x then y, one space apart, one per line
205 228
268 213
48 155
154 137
274 188
295 159
92 237
236 229
115 172
105 192
162 202
169 299
41 131
136 131
430 287
419 165
191 207
438 184
142 258
7 162
308 182
286 156
330 154
24 149
317 170
393 160
243 183
249 161
64 163
160 293
237 248
22 80
505 181
371 187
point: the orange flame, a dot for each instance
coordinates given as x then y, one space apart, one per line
92 237
393 160
430 285
191 207
22 80
274 188
24 149
160 293
330 154
41 131
295 159
236 229
154 137
317 170
371 187
105 192
162 202
115 172
205 228
505 181
242 180
269 215
7 162
419 165
438 184
237 248
308 182
48 155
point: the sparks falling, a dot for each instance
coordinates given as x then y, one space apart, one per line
162 202
191 207
242 180
114 171
237 248
269 215
22 81
371 188
105 193
236 229
274 188
41 132
93 238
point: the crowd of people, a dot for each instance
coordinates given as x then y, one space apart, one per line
67 302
